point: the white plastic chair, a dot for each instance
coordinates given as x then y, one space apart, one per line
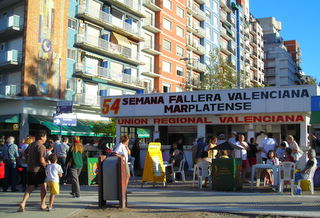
195 172
286 173
310 179
180 170
203 172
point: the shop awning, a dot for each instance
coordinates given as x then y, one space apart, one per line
13 118
122 40
80 130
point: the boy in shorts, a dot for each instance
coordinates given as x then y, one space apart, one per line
53 172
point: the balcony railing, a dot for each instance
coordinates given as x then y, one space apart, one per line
196 11
196 65
104 46
129 5
108 74
88 99
108 19
11 23
10 89
11 57
151 4
199 31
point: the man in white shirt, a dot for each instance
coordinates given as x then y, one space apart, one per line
266 145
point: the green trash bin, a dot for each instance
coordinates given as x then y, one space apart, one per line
88 174
226 174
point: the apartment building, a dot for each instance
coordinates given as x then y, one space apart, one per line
34 67
254 54
104 49
280 68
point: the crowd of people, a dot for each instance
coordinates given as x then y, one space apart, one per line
262 149
44 163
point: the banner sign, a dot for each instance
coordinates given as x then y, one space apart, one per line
153 170
236 101
222 119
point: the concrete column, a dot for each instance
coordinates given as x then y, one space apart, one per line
303 143
24 127
250 132
117 134
156 133
201 130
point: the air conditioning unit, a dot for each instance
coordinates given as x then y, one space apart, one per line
10 90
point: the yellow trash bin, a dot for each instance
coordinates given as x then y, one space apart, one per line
305 185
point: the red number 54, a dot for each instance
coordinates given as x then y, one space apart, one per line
115 106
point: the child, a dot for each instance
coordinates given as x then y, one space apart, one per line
268 174
53 172
49 148
288 156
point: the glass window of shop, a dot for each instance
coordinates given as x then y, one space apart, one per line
145 134
172 134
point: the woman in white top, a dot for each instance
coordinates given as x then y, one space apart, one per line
296 151
122 150
243 155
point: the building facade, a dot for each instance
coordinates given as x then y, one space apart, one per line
280 67
34 65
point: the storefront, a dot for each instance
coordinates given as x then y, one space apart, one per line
185 116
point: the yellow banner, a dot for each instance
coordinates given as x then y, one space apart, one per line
153 170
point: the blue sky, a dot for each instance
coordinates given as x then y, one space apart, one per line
300 21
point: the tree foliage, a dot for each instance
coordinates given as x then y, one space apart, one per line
220 73
101 127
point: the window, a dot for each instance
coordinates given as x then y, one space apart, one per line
215 38
215 22
71 54
166 88
215 7
180 12
167 4
148 67
166 66
180 31
167 45
180 51
72 23
180 71
167 24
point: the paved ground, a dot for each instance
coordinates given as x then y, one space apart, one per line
178 200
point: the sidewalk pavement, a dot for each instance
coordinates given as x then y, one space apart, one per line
171 197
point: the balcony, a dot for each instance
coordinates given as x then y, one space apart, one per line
226 34
151 4
104 47
194 82
148 25
196 65
231 19
199 31
224 5
128 5
149 47
10 27
254 67
253 54
124 79
10 89
223 16
232 49
199 49
224 48
89 99
10 59
108 21
253 42
196 11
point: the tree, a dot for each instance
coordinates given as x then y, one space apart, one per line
101 127
220 73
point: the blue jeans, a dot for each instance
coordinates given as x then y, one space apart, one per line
62 162
10 175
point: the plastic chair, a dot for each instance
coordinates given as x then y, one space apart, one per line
310 180
131 167
286 173
203 172
195 172
180 170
